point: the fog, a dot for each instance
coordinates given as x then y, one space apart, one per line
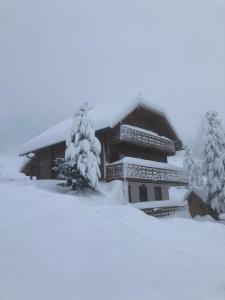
56 54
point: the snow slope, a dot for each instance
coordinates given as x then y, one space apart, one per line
55 246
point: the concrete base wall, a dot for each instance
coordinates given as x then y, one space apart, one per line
134 189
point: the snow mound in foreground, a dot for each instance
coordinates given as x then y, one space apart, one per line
55 246
9 168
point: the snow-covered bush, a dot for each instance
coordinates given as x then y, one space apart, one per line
80 167
214 161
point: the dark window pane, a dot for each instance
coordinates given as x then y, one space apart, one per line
158 193
143 192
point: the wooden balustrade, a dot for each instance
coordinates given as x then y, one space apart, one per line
160 211
139 137
132 171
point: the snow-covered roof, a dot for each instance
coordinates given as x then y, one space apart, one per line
102 116
54 135
200 192
147 163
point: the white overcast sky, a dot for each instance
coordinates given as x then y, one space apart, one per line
56 53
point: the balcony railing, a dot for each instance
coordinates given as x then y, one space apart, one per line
146 173
143 137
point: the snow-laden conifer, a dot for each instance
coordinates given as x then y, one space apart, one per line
214 161
189 166
81 163
199 179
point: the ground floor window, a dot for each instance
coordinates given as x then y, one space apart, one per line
158 193
143 193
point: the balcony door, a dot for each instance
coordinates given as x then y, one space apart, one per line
158 193
143 193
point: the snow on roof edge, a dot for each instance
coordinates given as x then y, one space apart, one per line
198 191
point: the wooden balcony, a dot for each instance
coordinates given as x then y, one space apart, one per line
144 138
134 171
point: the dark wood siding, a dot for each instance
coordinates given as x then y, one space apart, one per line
150 120
59 150
45 164
117 151
197 207
47 156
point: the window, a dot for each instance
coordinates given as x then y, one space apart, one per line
158 193
129 192
143 193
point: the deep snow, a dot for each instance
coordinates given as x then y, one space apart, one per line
58 246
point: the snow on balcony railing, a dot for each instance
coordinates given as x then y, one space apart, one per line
146 170
144 137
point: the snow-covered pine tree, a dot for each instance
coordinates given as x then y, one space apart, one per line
214 161
199 179
189 165
80 167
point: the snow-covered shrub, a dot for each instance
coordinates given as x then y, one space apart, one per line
214 161
80 167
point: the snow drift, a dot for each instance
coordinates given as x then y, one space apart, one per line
56 246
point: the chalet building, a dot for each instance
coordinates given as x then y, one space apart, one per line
136 141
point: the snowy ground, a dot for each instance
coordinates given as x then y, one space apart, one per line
55 246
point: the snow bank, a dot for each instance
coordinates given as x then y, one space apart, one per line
178 193
9 168
55 247
222 216
111 193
